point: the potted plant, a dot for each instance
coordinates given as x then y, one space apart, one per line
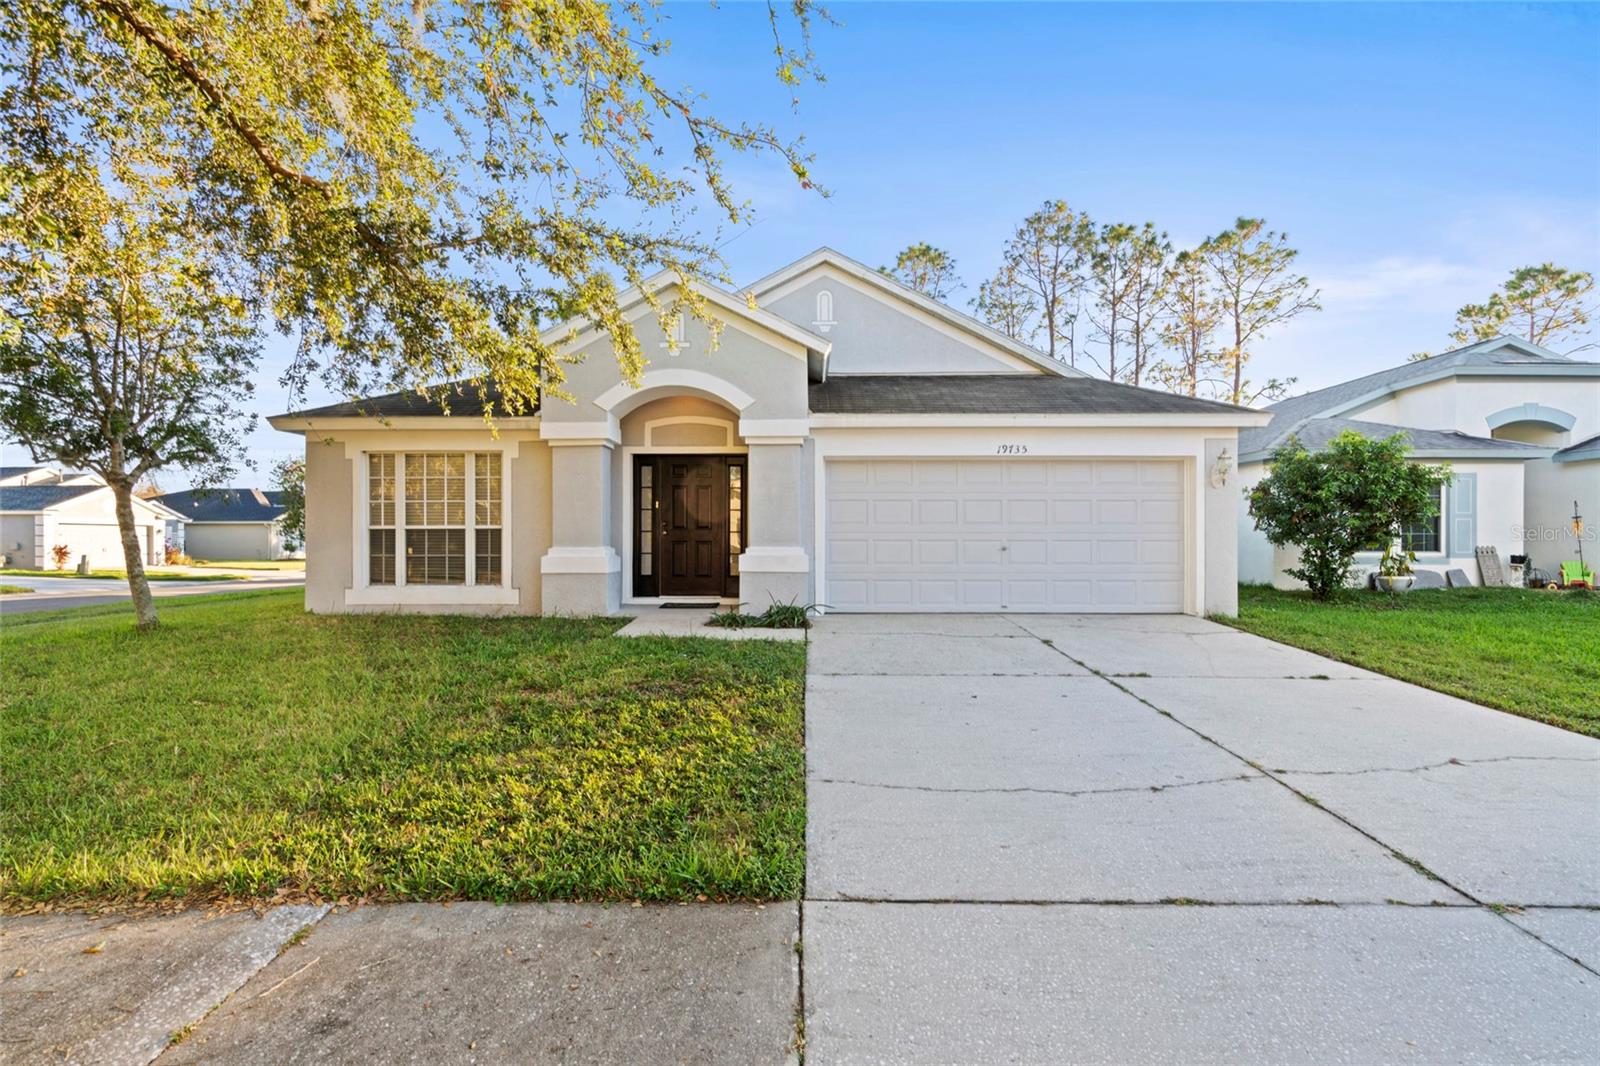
1394 569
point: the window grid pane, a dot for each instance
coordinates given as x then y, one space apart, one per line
735 516
380 518
486 488
486 561
647 509
436 518
380 555
436 556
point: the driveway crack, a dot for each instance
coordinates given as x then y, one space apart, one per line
1044 791
1436 765
1415 864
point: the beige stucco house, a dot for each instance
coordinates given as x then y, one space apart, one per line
846 442
1518 425
42 507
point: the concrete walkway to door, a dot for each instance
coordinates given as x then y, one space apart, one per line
1157 839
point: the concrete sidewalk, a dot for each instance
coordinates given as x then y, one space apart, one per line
424 983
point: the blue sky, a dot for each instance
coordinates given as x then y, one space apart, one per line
1414 154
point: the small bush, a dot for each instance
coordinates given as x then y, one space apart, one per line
777 616
733 618
175 557
60 554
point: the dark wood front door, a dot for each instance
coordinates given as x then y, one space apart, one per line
692 525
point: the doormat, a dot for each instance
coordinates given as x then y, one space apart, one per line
686 606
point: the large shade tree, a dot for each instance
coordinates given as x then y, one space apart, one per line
415 190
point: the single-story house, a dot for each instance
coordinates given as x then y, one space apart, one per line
232 524
1517 424
42 507
849 442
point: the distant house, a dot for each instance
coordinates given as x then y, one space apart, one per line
1516 422
42 507
241 523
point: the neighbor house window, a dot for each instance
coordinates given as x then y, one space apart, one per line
438 511
1423 536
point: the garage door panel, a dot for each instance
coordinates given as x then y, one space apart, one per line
1113 512
1027 512
1005 534
1072 512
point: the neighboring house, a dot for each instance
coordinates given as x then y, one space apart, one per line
849 442
232 524
1516 423
41 507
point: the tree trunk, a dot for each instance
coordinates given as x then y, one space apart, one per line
144 605
1238 361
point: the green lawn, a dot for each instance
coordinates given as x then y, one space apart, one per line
120 575
1536 654
246 746
7 590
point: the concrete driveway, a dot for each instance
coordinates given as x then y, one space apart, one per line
1153 839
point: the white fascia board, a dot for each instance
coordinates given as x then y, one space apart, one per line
877 282
1161 421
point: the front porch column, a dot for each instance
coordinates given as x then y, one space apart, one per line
582 572
775 567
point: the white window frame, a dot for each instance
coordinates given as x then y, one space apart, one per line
363 593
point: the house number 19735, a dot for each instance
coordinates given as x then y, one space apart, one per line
1011 449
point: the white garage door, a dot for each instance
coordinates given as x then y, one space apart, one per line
1004 535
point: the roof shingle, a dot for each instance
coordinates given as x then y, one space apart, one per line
1006 394
225 505
29 498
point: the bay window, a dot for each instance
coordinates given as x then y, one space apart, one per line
434 518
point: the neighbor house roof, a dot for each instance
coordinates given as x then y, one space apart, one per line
30 499
225 505
1315 433
1584 449
1501 356
999 394
17 471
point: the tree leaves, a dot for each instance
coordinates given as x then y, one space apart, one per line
1333 503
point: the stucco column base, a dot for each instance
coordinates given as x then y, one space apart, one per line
581 581
774 574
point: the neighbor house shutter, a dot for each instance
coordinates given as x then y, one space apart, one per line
1463 495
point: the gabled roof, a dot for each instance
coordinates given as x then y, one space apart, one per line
1498 357
1579 452
225 505
1002 394
18 471
574 332
29 499
1316 433
883 283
